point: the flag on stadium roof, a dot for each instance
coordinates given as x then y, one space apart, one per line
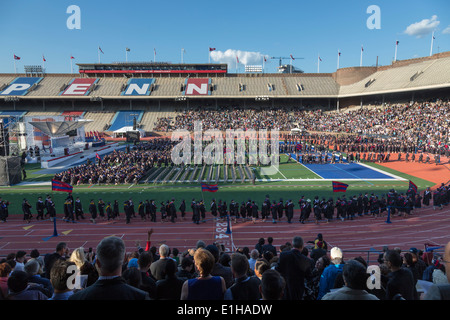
16 57
61 186
209 187
212 49
412 186
100 49
339 186
127 49
292 57
72 57
43 58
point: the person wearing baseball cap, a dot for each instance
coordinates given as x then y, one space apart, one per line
331 272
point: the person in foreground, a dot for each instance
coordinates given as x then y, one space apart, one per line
355 280
110 284
204 287
441 291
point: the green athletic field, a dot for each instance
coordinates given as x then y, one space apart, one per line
238 191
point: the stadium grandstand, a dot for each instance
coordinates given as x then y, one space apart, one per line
156 98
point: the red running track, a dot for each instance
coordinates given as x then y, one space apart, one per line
356 237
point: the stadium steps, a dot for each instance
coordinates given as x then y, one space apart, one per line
225 173
202 172
209 173
161 175
187 170
241 173
155 173
178 171
216 179
150 174
233 174
192 176
170 174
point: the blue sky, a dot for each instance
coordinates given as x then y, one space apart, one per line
305 29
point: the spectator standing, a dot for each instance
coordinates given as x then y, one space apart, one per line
110 284
331 272
272 285
355 278
158 268
244 287
59 278
20 260
295 268
206 286
401 280
5 270
254 255
441 291
318 251
270 247
60 253
219 269
170 287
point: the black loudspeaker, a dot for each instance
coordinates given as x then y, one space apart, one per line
4 141
134 123
133 136
10 171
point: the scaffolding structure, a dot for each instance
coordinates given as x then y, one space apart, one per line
11 161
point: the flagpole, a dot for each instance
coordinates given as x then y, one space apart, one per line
360 61
339 54
98 52
15 70
71 65
395 56
432 38
126 55
264 59
318 63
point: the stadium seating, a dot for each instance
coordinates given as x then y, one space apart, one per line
100 120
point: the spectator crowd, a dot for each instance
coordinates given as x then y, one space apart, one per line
297 270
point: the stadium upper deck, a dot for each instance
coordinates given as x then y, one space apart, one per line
165 82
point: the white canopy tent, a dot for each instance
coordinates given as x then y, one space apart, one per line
123 131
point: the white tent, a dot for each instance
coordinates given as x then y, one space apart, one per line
123 131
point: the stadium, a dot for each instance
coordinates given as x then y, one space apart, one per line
372 139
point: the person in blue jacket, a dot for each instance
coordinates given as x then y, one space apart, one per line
331 272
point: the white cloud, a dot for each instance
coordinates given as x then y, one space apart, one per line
422 28
245 57
446 30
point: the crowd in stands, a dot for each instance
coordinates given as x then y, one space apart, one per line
118 167
395 128
297 270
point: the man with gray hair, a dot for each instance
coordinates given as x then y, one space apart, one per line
32 268
295 268
110 284
158 267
